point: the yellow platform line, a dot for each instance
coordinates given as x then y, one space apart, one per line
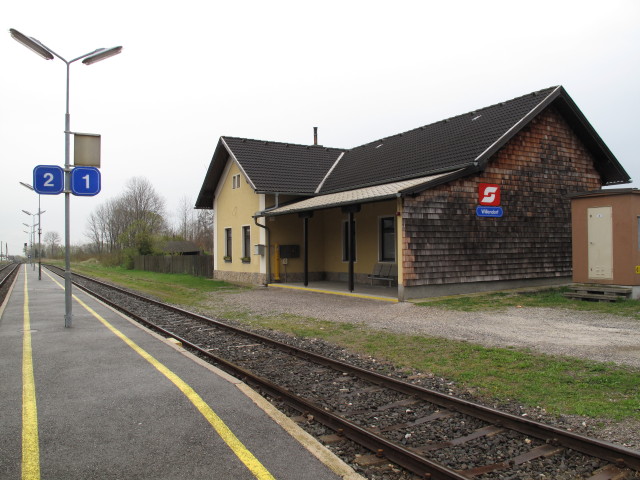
238 448
30 442
334 292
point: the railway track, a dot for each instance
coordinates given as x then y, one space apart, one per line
427 433
7 273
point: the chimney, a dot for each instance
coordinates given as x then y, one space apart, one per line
315 135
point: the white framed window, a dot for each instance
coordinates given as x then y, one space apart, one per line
227 244
246 243
235 181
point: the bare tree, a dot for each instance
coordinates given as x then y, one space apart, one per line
186 219
52 239
144 211
106 224
132 220
96 231
115 219
203 230
195 225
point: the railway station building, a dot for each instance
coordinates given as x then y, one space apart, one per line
476 202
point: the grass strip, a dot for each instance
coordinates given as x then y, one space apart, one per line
180 289
548 298
561 385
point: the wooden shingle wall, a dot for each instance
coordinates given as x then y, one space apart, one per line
445 242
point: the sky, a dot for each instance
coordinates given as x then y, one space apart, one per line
195 70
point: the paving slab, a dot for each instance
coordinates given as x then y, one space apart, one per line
113 401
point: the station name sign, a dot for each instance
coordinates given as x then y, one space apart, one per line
489 211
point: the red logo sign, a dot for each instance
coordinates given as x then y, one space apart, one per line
489 194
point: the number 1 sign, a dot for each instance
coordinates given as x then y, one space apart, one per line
85 181
48 179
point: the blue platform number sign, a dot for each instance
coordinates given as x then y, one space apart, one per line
85 181
48 179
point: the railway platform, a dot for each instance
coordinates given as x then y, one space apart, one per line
108 399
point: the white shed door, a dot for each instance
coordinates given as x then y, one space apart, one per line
600 238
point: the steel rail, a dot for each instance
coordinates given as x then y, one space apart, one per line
14 267
9 265
618 455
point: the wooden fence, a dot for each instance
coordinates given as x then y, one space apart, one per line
196 265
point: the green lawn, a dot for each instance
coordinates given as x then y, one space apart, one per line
172 288
559 385
550 298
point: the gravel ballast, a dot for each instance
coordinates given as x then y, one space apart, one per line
587 335
603 338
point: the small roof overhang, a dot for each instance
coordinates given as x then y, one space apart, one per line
605 192
361 195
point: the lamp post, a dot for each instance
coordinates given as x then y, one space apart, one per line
30 233
40 212
88 59
25 245
33 234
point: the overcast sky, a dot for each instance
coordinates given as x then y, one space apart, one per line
192 71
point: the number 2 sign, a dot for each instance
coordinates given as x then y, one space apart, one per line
48 179
85 181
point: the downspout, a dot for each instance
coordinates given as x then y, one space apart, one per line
268 232
277 205
268 248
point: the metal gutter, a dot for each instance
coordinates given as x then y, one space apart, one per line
268 248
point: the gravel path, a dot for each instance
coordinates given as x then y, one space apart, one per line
604 338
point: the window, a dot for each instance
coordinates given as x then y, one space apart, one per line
246 244
227 244
235 181
345 241
387 240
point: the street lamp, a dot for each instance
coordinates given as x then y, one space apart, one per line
31 239
33 233
88 59
30 232
40 212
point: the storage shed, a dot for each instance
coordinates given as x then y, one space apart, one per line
605 238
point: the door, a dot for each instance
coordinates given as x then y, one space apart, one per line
600 247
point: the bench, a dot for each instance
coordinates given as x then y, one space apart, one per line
386 272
